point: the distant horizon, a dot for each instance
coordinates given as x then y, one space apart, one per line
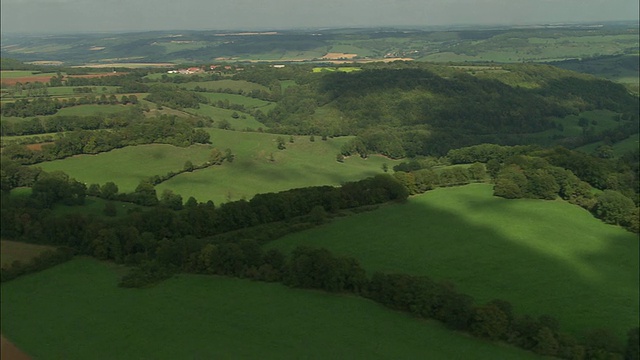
444 27
109 16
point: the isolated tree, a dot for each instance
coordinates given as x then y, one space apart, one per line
188 166
109 190
280 142
228 155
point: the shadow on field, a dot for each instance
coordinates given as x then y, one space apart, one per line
542 266
504 252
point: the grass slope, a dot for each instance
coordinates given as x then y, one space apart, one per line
303 163
128 166
219 114
545 257
203 317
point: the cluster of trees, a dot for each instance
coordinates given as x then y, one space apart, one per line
404 109
63 123
43 261
201 238
174 97
164 129
196 219
533 172
48 106
421 180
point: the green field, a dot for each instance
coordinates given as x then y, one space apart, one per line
303 163
599 120
219 114
503 48
632 143
340 69
11 251
128 166
84 110
234 85
80 313
545 257
12 74
247 102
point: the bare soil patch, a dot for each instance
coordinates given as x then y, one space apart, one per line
37 147
336 56
15 250
26 79
10 351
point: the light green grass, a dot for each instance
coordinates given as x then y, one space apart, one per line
18 251
247 102
284 84
301 164
80 313
234 85
128 166
12 74
632 143
545 257
340 69
219 114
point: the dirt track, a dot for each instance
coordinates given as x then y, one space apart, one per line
11 352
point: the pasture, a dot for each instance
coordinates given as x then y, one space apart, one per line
247 102
84 110
545 257
260 167
200 317
505 49
233 85
18 251
218 114
632 143
128 166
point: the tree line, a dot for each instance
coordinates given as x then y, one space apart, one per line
158 241
136 130
537 173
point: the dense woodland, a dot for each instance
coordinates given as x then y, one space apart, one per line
433 116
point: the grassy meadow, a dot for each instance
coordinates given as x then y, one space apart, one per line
128 166
248 102
200 317
303 163
545 257
219 114
632 143
234 85
258 166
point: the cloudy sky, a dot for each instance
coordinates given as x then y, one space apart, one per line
56 16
